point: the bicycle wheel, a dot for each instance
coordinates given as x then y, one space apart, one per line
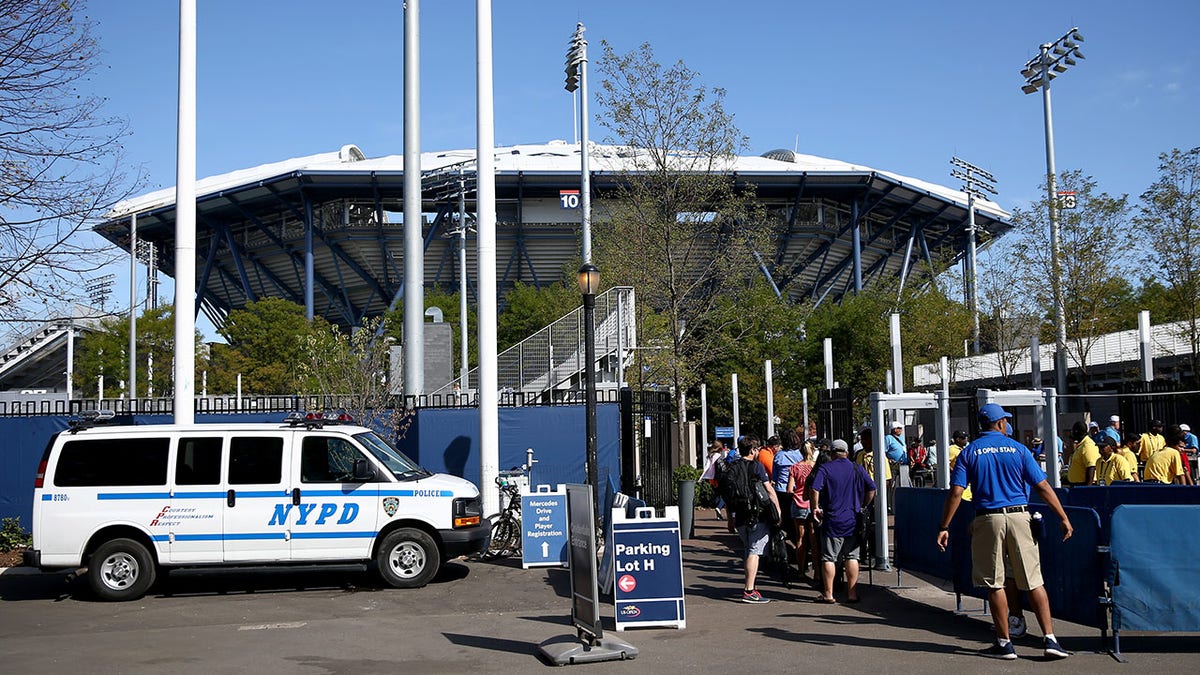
506 538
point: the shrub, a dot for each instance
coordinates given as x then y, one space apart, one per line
704 491
12 537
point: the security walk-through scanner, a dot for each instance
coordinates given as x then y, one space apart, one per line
880 405
1045 401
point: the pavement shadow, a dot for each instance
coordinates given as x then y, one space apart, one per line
492 643
219 581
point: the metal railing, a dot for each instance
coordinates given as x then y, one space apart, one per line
550 362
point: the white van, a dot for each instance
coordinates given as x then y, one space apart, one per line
124 501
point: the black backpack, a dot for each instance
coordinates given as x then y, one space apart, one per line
737 489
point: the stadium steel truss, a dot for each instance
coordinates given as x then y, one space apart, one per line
840 225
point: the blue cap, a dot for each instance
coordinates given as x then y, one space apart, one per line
992 412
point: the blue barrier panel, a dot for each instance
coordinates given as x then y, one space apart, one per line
1105 499
1156 586
915 530
1071 570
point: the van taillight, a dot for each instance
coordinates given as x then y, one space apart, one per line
41 475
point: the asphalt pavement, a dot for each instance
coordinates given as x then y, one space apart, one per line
489 617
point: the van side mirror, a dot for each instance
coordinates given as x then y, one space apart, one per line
363 472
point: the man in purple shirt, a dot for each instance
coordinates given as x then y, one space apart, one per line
840 489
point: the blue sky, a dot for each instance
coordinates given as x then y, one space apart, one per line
895 86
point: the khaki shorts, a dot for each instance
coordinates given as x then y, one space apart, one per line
1004 539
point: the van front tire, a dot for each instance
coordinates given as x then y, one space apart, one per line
408 558
120 570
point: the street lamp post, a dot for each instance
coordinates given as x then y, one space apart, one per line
589 283
1053 58
976 183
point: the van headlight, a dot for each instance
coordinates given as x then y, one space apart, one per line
467 512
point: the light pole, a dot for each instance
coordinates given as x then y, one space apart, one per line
976 183
577 79
589 283
1053 58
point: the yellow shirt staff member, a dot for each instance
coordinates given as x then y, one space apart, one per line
1153 441
1082 470
1112 467
960 441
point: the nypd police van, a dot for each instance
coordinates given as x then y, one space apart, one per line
126 501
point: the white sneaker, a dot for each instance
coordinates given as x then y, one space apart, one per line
1016 627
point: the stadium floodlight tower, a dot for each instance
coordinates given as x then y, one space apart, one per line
577 79
1053 59
977 183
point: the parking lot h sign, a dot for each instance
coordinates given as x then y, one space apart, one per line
648 569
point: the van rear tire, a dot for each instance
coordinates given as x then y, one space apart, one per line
121 570
408 558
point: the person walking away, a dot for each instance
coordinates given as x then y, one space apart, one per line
785 459
716 455
801 507
1165 466
1082 470
840 490
745 514
766 455
1112 467
1129 450
1001 471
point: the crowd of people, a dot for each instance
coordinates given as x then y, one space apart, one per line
818 494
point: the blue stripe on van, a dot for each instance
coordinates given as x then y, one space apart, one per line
333 535
132 495
269 535
200 495
46 498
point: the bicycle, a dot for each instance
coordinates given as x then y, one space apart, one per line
506 528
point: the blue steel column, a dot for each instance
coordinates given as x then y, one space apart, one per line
856 237
308 259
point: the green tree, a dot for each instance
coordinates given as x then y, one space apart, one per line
264 345
1169 220
351 373
529 309
679 228
1095 248
767 328
1007 324
105 352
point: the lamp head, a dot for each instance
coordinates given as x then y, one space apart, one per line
589 279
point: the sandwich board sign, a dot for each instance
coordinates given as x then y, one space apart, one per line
544 527
647 569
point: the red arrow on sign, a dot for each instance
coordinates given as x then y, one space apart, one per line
627 583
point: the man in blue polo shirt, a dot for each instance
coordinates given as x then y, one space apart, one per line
1000 471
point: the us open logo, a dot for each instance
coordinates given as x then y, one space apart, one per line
390 504
630 611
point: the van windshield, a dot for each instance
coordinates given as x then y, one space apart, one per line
396 462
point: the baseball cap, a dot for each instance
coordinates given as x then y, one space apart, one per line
1114 418
992 412
1184 427
897 425
1093 424
1105 439
840 446
1159 423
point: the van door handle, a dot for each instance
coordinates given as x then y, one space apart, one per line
231 498
296 496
